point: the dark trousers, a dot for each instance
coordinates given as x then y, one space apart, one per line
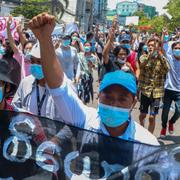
170 96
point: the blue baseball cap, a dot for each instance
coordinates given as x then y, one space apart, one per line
127 80
125 37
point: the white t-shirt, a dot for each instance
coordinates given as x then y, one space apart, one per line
74 112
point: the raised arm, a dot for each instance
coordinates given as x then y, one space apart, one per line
10 37
22 38
108 46
42 26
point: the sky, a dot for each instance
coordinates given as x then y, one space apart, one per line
159 4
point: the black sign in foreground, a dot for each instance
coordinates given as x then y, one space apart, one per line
35 148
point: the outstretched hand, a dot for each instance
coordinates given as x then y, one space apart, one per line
42 26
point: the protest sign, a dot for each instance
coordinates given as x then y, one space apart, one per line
39 148
3 26
132 20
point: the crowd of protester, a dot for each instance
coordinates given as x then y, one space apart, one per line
55 80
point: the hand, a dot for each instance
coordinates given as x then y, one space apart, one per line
19 28
164 30
9 21
111 34
115 22
42 26
131 25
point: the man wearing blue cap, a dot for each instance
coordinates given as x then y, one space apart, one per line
117 92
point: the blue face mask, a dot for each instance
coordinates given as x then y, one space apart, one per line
87 49
66 42
166 38
113 116
27 55
2 51
128 46
1 94
176 52
145 48
36 71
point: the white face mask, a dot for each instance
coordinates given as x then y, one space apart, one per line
121 61
125 68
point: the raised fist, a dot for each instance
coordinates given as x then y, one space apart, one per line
9 21
42 26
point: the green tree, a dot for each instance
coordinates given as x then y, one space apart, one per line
158 23
173 8
140 14
31 8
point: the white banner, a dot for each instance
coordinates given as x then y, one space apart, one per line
132 20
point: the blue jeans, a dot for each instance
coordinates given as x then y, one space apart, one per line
170 96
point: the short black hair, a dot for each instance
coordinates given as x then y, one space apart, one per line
174 44
27 42
75 32
89 35
118 48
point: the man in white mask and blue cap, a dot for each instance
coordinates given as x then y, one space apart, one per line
116 98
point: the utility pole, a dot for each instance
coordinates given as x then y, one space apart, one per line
53 7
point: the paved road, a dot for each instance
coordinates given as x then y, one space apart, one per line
135 113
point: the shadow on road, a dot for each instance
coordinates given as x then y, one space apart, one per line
173 139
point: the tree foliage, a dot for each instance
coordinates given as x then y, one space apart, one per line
31 8
173 8
141 14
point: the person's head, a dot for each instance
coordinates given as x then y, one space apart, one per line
87 47
125 40
28 46
9 80
75 36
121 53
66 41
36 67
123 32
89 36
27 49
176 50
8 50
4 90
116 98
26 35
152 44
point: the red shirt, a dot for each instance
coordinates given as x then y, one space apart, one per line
132 60
8 106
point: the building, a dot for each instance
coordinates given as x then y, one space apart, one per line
6 7
126 8
150 11
99 11
84 14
